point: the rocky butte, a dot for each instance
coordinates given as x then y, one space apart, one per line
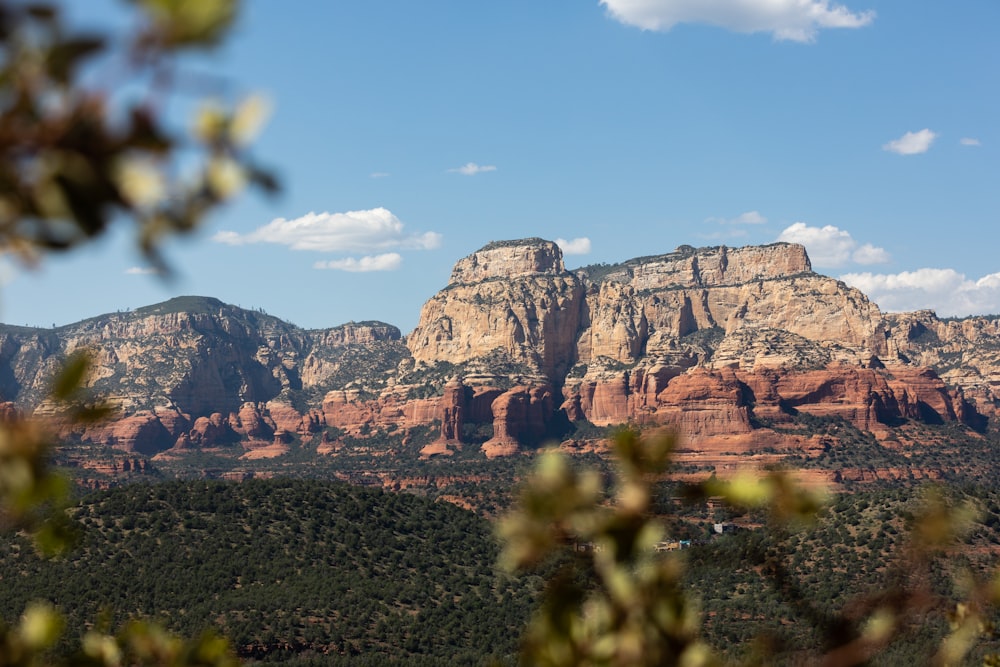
724 344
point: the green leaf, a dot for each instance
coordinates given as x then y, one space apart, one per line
191 22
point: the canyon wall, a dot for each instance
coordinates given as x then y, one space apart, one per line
725 344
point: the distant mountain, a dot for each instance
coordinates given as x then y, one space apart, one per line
168 365
730 345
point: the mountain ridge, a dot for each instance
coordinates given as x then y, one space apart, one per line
713 341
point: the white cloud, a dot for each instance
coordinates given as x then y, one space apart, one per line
471 169
827 246
869 254
142 271
389 261
831 246
580 246
969 141
795 20
911 143
354 231
945 291
749 218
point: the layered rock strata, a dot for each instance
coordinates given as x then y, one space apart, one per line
515 301
725 344
714 341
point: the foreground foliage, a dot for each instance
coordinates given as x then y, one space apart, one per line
77 153
830 592
322 573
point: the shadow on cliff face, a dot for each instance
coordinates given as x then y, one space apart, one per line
559 428
979 423
929 415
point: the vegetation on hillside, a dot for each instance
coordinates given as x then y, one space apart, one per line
75 157
881 578
512 243
283 568
803 592
331 573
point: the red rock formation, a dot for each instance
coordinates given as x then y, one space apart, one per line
861 396
520 415
602 401
286 418
211 431
714 341
923 396
480 407
114 466
142 432
251 423
173 420
345 410
453 411
703 403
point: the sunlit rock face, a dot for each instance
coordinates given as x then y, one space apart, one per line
192 371
721 343
655 305
681 338
514 300
964 352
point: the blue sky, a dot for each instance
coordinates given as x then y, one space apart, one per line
408 134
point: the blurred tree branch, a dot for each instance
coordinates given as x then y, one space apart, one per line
73 159
617 601
76 158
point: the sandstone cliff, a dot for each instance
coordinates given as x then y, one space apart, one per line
714 341
964 352
515 300
194 371
726 344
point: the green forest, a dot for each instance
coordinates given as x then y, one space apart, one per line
801 591
283 568
305 571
